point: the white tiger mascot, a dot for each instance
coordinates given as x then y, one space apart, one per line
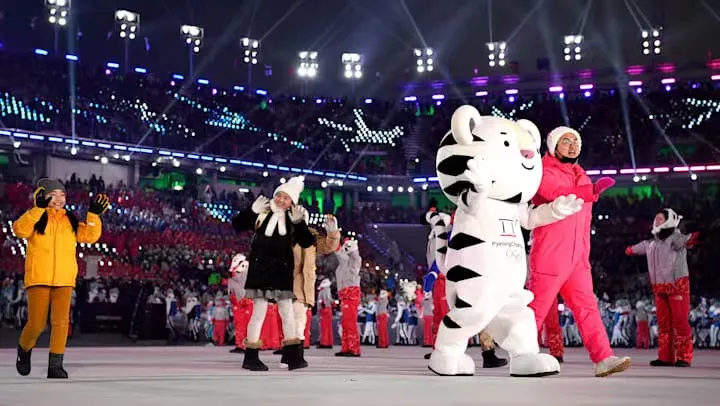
491 167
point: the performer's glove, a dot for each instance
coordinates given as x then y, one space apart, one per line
429 281
41 199
99 204
693 240
261 205
629 251
603 184
297 214
565 206
331 224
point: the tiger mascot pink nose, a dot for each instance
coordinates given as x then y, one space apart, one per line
527 153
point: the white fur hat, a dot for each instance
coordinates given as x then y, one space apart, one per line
554 137
293 187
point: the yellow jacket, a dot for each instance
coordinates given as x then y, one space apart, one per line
304 269
51 257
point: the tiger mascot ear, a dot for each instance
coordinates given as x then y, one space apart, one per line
530 127
463 121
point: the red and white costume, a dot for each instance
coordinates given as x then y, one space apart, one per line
325 314
669 275
347 276
241 307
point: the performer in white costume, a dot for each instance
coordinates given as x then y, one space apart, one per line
370 311
491 167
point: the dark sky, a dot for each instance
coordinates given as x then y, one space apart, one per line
384 31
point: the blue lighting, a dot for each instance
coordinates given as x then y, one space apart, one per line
239 88
113 65
587 93
203 81
71 57
410 98
140 70
368 101
41 52
261 92
178 77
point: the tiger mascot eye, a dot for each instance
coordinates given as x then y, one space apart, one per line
490 167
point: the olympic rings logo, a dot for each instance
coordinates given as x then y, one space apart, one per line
514 253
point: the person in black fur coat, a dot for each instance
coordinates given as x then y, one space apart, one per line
278 225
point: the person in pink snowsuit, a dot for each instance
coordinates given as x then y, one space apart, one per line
560 252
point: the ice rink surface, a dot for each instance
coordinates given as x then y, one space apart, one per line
209 376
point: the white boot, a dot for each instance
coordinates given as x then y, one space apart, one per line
611 365
445 364
534 365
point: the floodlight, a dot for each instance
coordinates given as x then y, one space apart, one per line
193 36
425 62
496 53
308 64
251 49
573 48
128 23
353 65
58 11
652 41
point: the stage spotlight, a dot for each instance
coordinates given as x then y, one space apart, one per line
58 11
128 23
251 50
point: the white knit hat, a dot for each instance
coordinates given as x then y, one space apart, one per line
554 137
293 187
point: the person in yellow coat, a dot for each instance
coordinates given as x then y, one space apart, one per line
51 268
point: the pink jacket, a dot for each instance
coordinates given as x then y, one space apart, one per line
567 239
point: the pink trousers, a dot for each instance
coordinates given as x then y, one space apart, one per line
550 276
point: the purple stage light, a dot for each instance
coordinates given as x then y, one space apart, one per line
511 99
410 98
438 97
555 89
587 93
668 81
481 93
587 86
511 91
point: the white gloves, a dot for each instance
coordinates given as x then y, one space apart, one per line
297 214
261 205
565 206
478 174
331 224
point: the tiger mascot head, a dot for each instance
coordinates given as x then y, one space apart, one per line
511 149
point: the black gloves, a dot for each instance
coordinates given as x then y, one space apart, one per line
41 199
99 204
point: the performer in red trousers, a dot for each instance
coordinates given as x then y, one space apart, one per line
667 263
269 333
560 252
347 276
642 339
427 311
325 313
220 322
554 334
382 320
241 307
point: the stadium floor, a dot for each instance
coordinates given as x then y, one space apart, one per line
187 375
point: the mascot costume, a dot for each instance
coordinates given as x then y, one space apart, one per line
52 233
490 167
434 281
667 264
569 273
325 313
383 340
278 225
347 276
241 306
304 275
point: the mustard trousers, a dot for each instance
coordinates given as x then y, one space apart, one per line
41 300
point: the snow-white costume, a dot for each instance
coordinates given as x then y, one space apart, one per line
400 322
370 311
491 167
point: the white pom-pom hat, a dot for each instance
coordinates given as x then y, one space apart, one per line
556 134
293 187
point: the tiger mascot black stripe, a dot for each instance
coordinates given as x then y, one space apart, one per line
491 167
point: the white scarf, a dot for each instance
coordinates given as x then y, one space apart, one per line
277 220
